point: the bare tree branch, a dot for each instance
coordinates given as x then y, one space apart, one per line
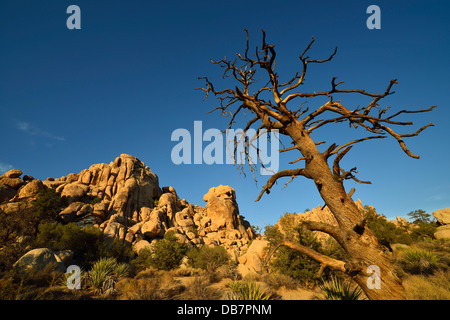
281 174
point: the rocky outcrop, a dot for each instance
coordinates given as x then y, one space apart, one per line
253 259
124 200
443 218
213 225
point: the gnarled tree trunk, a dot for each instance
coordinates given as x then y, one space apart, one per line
365 254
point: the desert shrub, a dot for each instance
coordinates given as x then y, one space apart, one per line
140 289
150 284
95 200
385 231
47 205
208 258
141 262
88 243
291 262
199 289
337 289
248 290
424 231
278 280
419 261
167 253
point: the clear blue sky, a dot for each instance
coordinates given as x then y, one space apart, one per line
127 79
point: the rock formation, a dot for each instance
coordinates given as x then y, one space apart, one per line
39 259
124 200
443 218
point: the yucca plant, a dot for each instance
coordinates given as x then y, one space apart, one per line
420 260
248 290
336 289
105 273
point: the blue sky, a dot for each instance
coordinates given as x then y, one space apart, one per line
127 79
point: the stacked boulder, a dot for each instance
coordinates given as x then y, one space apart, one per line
17 193
218 223
443 218
124 200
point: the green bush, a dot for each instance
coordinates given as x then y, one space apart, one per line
208 258
47 205
167 253
424 231
291 262
385 231
88 243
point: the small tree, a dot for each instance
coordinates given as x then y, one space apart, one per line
419 216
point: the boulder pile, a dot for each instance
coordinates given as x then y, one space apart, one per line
124 200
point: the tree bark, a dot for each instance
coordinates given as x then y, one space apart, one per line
363 247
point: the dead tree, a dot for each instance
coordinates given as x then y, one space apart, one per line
278 105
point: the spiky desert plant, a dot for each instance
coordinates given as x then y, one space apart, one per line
248 290
336 289
420 261
105 273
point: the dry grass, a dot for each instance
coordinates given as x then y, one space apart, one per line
200 288
149 284
428 287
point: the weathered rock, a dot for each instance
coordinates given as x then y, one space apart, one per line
172 204
123 199
54 184
69 214
100 210
66 256
74 191
39 259
23 205
27 178
85 209
15 183
221 207
134 186
13 173
113 230
401 222
141 244
151 229
318 214
442 232
252 260
442 216
71 177
31 189
136 228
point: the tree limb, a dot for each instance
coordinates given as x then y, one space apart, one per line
280 174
